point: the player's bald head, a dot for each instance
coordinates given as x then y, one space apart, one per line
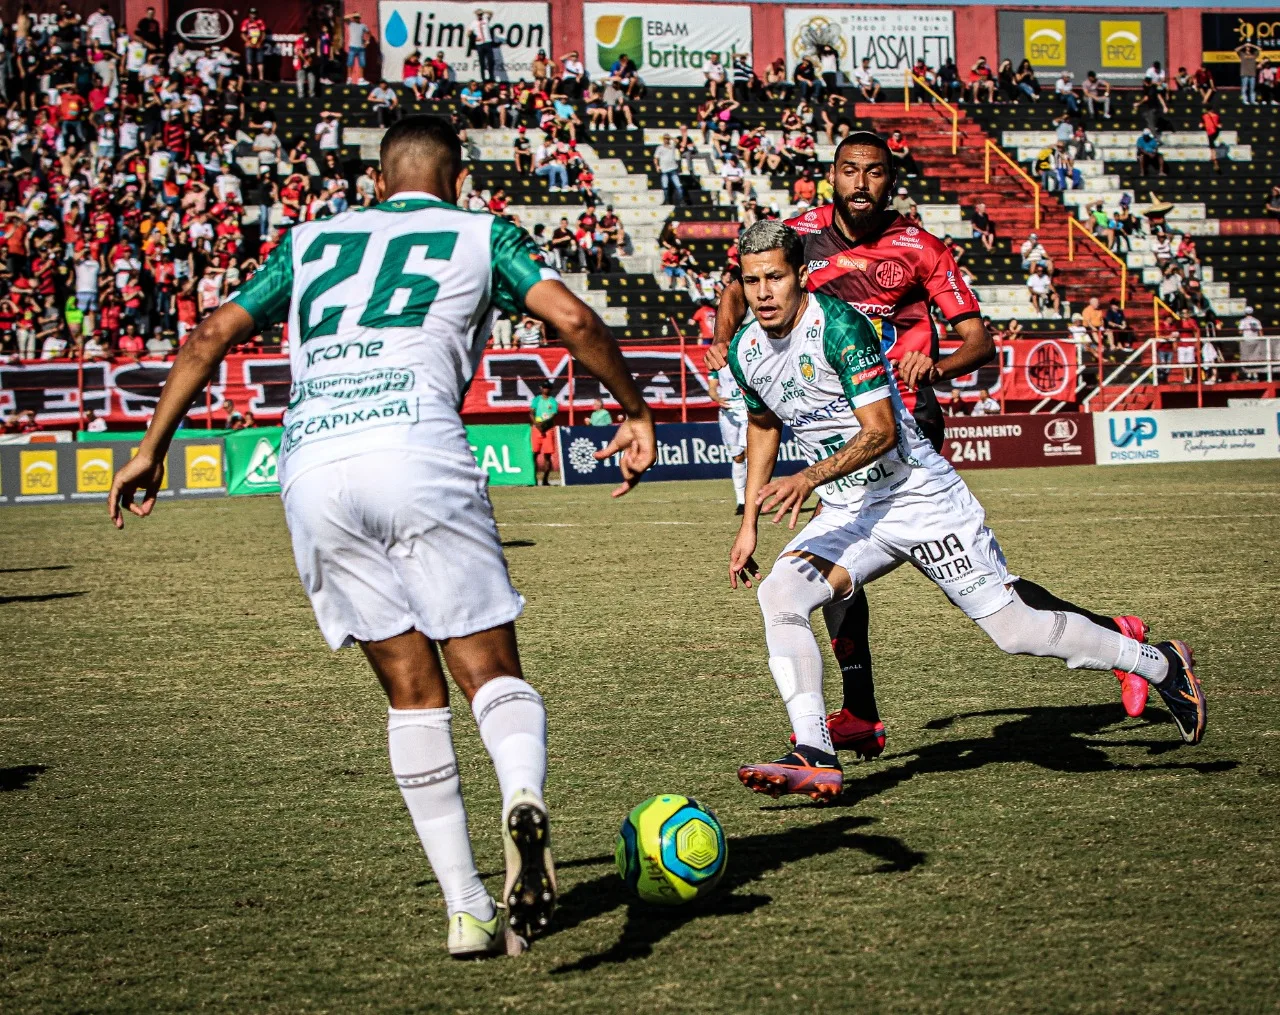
421 152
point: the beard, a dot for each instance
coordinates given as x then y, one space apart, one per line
859 219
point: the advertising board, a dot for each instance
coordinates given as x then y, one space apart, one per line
892 38
518 29
1002 442
1119 47
1220 34
669 43
1187 435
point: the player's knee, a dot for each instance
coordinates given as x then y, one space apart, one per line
1020 630
792 591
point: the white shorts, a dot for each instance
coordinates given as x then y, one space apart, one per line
943 534
733 433
395 540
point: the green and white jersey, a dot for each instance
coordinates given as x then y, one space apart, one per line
731 393
389 309
814 378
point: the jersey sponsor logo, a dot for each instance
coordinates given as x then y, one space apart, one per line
875 310
890 274
817 265
912 230
341 350
350 387
790 389
870 374
334 424
955 288
806 367
833 409
851 263
907 241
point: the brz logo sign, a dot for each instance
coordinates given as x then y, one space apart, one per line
1136 431
204 26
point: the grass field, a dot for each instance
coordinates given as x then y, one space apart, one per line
197 811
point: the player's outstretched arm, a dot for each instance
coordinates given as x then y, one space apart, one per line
589 342
195 366
879 434
764 437
730 313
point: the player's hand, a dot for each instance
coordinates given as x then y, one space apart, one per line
916 369
786 494
742 564
141 473
638 445
717 356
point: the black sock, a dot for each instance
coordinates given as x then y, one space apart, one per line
853 652
1040 598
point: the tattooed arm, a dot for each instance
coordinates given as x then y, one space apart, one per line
879 434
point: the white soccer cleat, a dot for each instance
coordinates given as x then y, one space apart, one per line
471 938
530 890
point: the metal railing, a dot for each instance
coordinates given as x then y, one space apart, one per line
1073 224
990 146
940 101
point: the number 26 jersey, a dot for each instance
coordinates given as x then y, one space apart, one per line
389 309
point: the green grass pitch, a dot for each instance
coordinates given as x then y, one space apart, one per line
196 810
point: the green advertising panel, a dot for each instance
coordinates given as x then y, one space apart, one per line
504 453
252 457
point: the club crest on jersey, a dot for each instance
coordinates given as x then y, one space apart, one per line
806 367
890 274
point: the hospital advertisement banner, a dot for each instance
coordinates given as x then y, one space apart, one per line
1187 435
519 30
669 43
1221 34
1120 47
892 38
72 472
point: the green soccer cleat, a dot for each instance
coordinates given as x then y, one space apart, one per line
471 938
530 890
1181 691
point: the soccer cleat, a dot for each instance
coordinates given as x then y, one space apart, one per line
1182 692
473 938
849 733
530 890
1133 688
806 770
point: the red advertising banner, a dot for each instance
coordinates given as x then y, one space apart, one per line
1025 370
1002 442
125 391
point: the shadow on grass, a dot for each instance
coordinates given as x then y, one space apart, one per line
750 858
27 570
40 597
18 777
508 544
1053 737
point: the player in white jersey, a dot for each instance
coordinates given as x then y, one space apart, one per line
814 363
724 391
389 309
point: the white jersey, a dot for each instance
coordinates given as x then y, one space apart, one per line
731 393
812 380
389 310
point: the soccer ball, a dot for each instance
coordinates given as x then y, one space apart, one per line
670 850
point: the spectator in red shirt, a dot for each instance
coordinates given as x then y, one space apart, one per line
253 33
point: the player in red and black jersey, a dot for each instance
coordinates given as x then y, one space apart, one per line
869 256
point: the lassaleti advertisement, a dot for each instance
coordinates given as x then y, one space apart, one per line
518 29
891 38
670 44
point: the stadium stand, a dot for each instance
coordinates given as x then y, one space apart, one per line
135 200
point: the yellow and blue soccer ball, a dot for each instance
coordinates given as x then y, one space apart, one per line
670 850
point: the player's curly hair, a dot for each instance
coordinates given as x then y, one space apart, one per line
770 234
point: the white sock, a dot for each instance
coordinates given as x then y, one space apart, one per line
426 770
793 590
1077 640
739 473
513 726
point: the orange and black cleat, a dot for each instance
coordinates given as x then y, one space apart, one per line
849 733
1133 688
1182 692
806 770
